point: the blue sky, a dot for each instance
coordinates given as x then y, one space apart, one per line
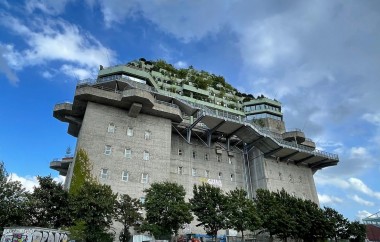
320 58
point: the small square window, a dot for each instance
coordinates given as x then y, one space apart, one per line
207 173
179 152
180 170
232 177
147 135
206 156
144 178
194 154
124 176
229 160
194 172
111 128
146 155
128 153
219 158
130 131
220 175
107 150
104 173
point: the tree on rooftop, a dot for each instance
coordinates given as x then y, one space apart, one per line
241 212
127 212
209 205
166 209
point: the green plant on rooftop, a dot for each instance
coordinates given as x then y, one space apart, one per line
198 78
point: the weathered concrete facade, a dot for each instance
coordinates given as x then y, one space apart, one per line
136 135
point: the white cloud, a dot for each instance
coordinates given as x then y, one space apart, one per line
180 64
358 152
52 7
326 199
363 214
186 20
47 74
359 185
334 181
55 40
373 118
28 182
12 77
361 201
78 73
59 179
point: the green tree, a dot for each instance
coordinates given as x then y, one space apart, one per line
48 205
274 215
12 200
209 205
338 225
94 209
356 231
166 209
127 212
314 222
241 212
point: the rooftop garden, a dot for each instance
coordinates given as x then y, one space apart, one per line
190 76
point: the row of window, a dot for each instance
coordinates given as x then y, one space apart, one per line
112 129
127 152
261 107
194 172
206 156
105 174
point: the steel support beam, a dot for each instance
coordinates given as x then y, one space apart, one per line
312 166
304 159
234 132
287 157
191 126
211 131
272 152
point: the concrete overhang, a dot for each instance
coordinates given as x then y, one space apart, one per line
61 110
74 113
296 135
271 146
61 166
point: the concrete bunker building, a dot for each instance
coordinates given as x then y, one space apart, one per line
147 122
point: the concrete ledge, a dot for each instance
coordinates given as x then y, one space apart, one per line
296 135
135 110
